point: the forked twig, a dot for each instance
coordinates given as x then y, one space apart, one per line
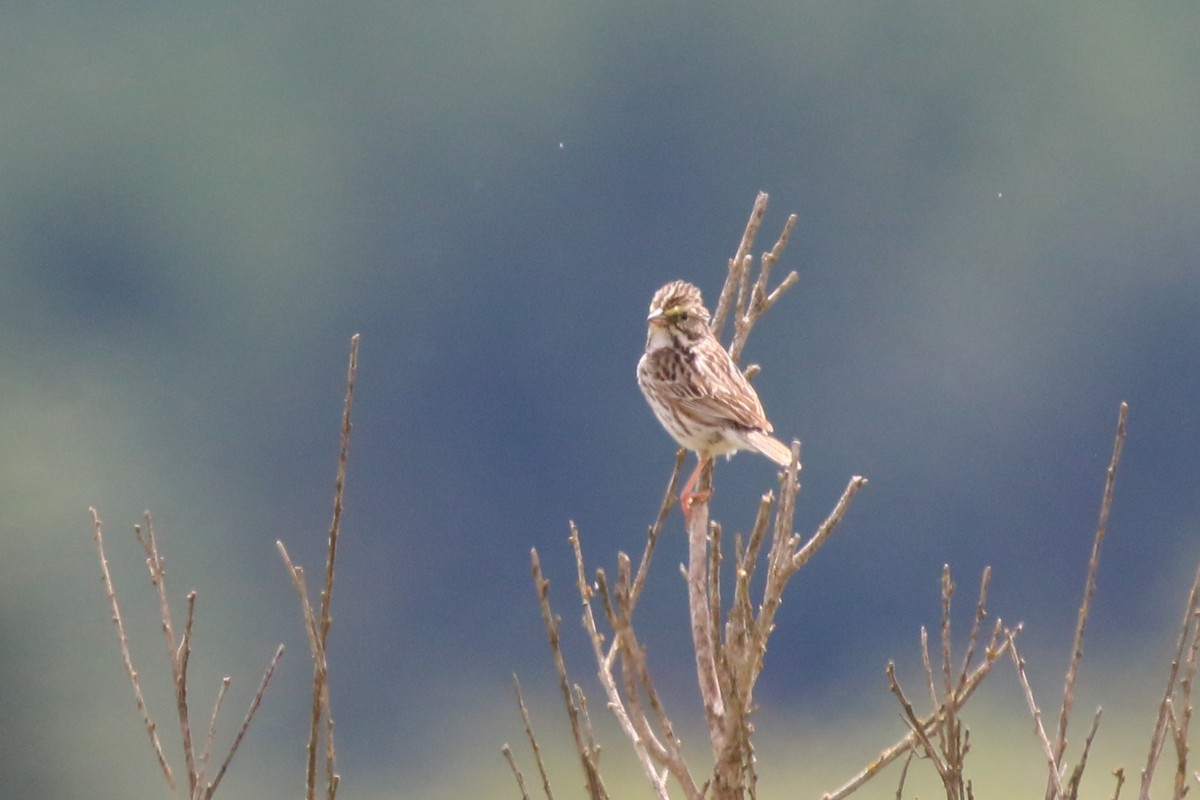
738 263
1189 632
317 625
1048 749
915 726
151 727
237 739
997 647
953 739
179 657
588 753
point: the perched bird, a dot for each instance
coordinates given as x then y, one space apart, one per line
694 387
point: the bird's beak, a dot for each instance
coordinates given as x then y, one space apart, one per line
656 317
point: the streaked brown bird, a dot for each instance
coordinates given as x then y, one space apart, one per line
695 388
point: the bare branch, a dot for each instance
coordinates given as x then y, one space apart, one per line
151 728
1060 743
321 688
953 741
831 522
947 680
702 640
241 734
669 498
533 742
906 743
1186 642
586 721
759 302
317 624
1052 758
754 300
739 262
176 656
212 729
296 573
915 725
980 615
1077 772
1181 722
904 774
512 764
553 624
931 687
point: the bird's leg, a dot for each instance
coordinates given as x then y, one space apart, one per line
688 497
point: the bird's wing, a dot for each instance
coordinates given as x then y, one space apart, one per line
727 398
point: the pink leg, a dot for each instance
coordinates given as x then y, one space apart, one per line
687 497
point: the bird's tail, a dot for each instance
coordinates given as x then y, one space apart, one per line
770 447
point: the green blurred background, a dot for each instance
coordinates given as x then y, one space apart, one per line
999 221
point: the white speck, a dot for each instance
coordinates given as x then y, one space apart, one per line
999 194
560 145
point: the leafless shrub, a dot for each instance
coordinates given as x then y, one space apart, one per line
730 642
179 651
197 764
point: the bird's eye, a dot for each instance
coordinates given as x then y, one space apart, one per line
682 316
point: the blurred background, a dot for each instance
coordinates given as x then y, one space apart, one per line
999 221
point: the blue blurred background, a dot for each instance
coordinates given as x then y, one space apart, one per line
999 221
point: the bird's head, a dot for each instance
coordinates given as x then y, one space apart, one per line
677 314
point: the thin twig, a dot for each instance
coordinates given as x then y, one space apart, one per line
1077 773
553 624
916 726
1060 743
237 739
906 743
630 651
176 655
533 742
831 522
151 727
980 616
212 728
321 691
1187 632
1052 758
668 751
904 774
669 498
317 625
950 726
512 765
930 686
604 673
738 262
753 300
1185 714
585 720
